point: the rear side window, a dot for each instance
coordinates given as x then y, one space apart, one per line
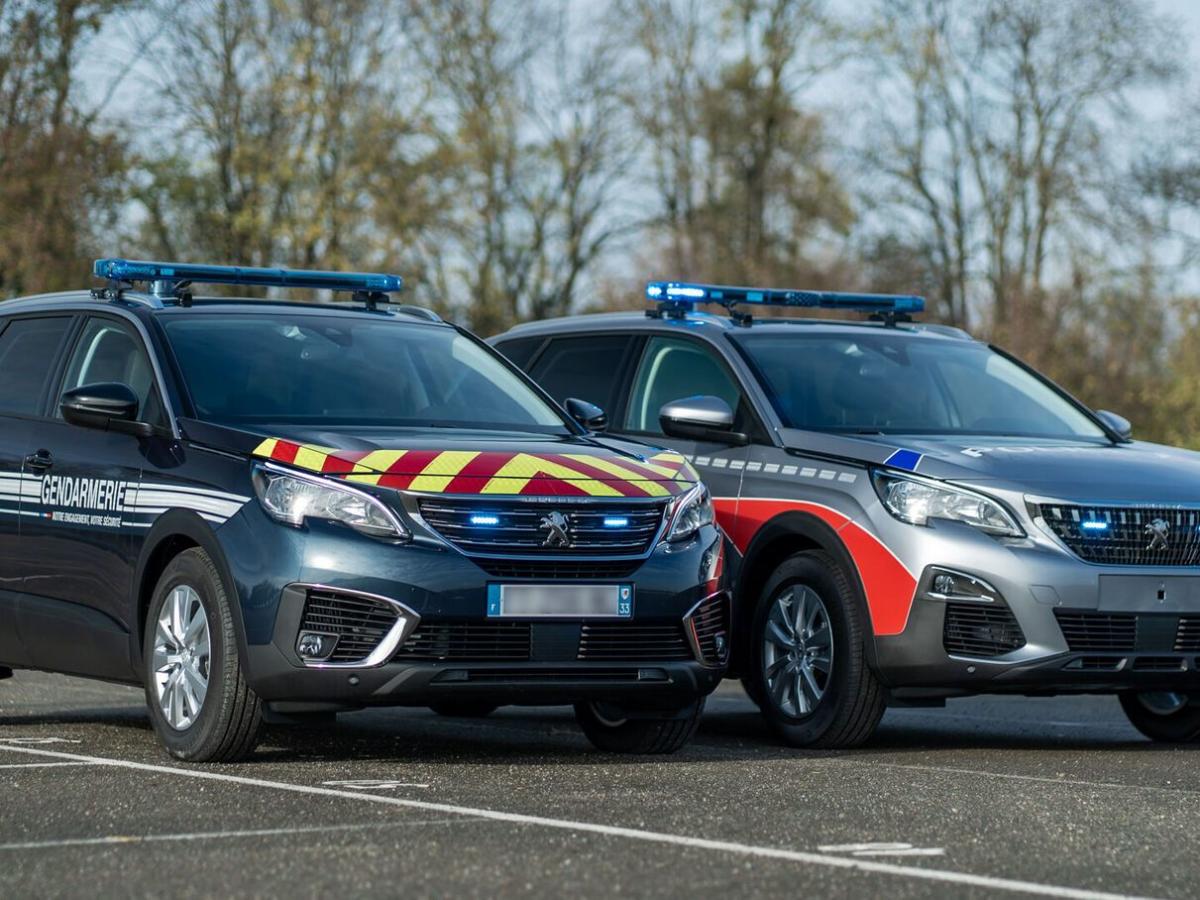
521 350
586 368
28 351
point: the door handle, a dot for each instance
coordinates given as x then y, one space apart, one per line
39 461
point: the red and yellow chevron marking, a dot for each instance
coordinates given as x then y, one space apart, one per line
492 472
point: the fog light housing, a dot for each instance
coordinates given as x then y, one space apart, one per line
315 646
946 584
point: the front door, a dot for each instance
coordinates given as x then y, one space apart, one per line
81 543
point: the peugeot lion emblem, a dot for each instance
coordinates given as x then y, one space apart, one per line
1159 530
554 525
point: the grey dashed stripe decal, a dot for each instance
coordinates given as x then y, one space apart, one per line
806 472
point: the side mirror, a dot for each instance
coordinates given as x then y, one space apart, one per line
589 415
1119 424
108 407
702 418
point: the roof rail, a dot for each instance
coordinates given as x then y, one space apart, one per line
172 280
677 298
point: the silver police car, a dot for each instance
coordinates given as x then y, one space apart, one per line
917 515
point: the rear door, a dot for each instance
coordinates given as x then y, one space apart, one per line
82 544
30 349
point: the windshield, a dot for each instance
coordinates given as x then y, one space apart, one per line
893 383
297 368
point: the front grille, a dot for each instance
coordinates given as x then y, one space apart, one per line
1128 535
1159 664
710 624
515 526
1187 638
630 642
979 629
467 641
1087 631
554 569
596 641
360 623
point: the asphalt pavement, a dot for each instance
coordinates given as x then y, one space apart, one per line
988 797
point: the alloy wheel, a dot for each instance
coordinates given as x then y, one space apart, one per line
182 657
797 653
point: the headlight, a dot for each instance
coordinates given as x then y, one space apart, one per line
690 512
291 498
917 501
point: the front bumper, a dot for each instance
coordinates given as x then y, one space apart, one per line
1080 627
275 566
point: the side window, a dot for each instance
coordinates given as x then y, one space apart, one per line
28 351
111 351
671 369
521 350
587 368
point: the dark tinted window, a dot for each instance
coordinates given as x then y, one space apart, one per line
28 350
521 350
587 368
876 381
293 367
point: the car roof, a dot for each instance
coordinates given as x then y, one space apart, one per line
713 324
67 301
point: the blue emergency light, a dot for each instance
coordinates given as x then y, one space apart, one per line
681 297
165 278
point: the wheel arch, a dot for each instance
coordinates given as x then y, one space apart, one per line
777 539
173 533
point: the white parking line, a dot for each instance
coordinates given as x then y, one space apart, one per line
636 834
46 765
213 835
1038 779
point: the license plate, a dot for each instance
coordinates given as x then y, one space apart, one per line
560 601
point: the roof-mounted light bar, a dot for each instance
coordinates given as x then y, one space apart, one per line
169 278
680 297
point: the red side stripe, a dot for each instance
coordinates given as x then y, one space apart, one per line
889 586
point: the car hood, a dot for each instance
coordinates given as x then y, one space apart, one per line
1134 472
452 461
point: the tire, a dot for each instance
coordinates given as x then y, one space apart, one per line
5 672
464 709
824 694
608 731
223 726
1164 716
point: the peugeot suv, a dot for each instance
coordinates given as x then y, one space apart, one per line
274 510
917 515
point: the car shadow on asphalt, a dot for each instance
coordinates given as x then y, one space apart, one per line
541 737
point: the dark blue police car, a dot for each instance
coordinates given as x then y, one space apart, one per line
274 510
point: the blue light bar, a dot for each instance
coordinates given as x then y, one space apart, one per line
1094 526
485 520
172 274
683 294
615 521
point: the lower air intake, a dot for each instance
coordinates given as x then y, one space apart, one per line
981 629
359 623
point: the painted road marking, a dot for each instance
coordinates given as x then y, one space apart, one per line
37 740
215 835
883 849
637 834
367 784
45 765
